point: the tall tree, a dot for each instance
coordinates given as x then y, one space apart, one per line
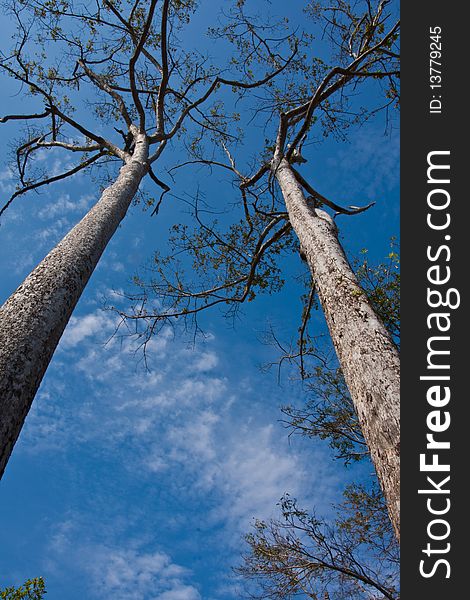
364 40
328 412
122 58
354 554
368 357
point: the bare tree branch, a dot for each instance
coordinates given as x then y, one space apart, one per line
102 85
164 69
161 184
319 199
134 59
323 92
6 118
43 182
66 146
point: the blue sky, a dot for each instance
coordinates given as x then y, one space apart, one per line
140 484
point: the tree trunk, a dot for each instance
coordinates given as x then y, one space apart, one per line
367 355
33 319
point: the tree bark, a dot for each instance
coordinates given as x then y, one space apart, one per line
367 355
33 319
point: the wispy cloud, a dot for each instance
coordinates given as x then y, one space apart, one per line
80 328
181 418
368 167
64 205
6 180
133 572
188 432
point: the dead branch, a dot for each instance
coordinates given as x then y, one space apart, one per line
320 199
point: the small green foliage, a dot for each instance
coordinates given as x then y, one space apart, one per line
381 284
32 589
363 515
329 415
206 265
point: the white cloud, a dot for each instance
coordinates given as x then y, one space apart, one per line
6 180
52 233
247 466
206 361
257 470
368 167
121 572
194 441
95 324
179 418
183 592
181 459
128 573
65 205
211 448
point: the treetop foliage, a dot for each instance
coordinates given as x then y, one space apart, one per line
32 589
